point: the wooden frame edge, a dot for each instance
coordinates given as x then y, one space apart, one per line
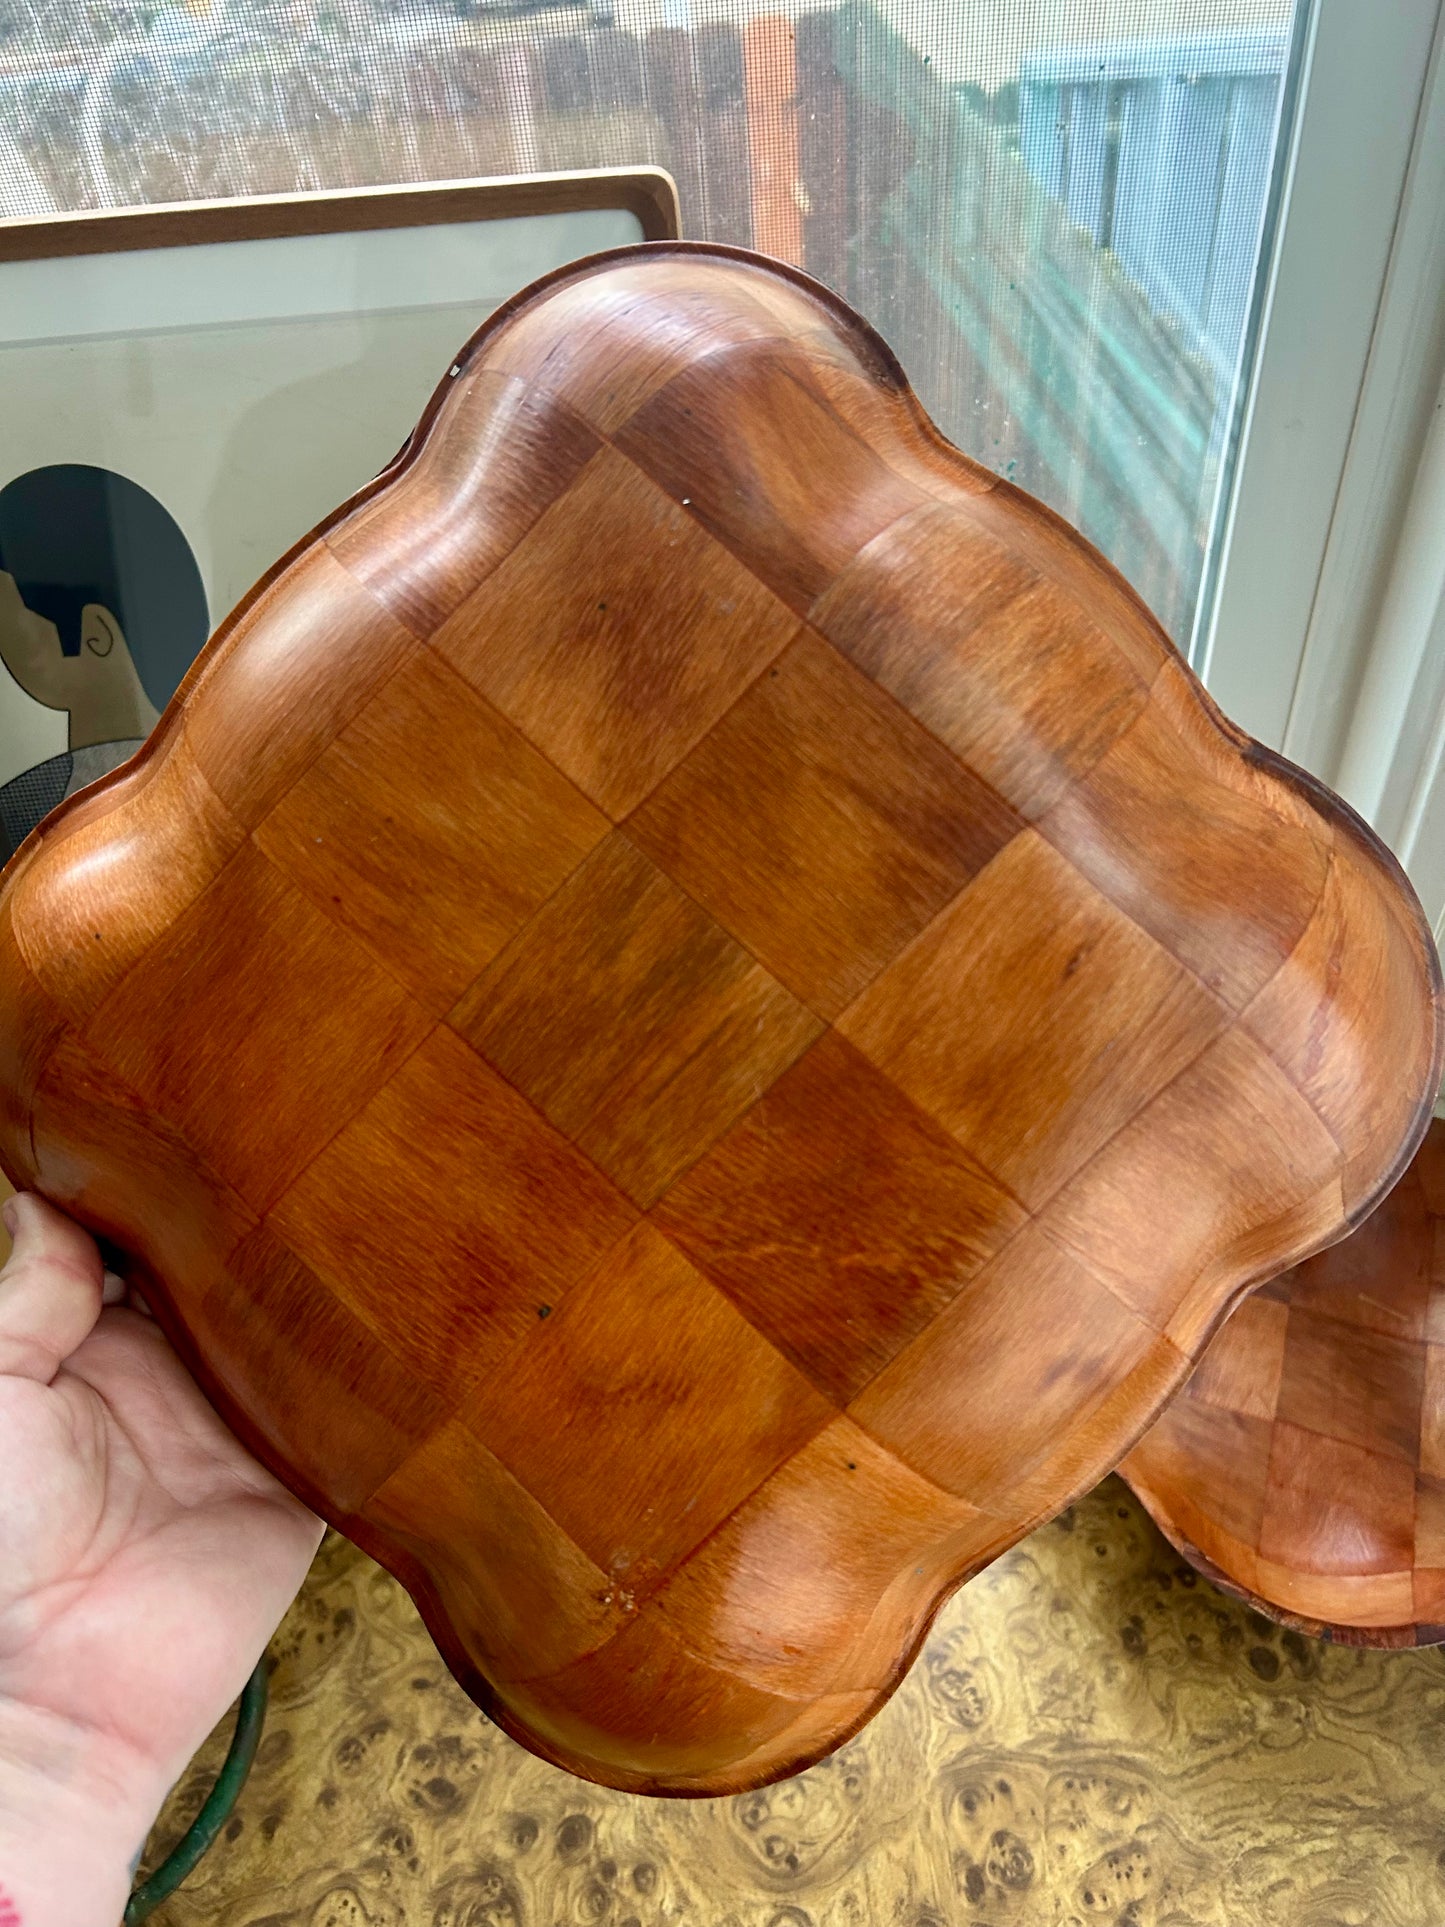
649 193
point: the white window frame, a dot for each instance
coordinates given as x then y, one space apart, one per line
1326 613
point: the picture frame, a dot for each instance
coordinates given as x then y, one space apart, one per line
186 390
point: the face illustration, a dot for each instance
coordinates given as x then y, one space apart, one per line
98 687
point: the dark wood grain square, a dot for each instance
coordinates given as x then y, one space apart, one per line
637 1024
769 473
1430 1538
644 1333
103 1154
615 633
1332 1507
1030 718
527 1214
1033 1038
432 828
821 825
266 1327
838 1217
1374 1402
256 1082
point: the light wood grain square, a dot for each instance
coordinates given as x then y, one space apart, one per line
643 1705
1352 1384
266 713
1029 717
266 1327
768 1597
1225 1172
519 1592
257 1083
499 454
432 828
1353 978
1017 1361
610 341
1432 1414
1194 877
636 1023
1333 1507
769 472
1206 1470
838 1217
1241 1370
616 633
166 833
643 1333
527 1216
1032 1037
821 825
1378 1278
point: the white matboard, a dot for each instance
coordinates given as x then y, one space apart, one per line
250 385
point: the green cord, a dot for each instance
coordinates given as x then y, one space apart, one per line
217 1808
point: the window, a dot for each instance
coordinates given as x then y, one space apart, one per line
1053 209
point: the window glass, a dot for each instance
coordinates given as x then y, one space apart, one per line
1055 210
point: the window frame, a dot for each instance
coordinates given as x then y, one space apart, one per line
1340 388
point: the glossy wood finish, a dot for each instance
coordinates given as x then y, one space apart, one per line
1303 1465
693 1019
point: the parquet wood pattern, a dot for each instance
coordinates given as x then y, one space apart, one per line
1303 1465
692 961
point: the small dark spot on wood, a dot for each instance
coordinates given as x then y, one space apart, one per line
544 1311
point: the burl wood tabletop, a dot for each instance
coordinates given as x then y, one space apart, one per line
1304 1463
692 1018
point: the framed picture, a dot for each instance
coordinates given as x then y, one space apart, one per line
187 390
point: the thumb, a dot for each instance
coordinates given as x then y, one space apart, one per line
50 1289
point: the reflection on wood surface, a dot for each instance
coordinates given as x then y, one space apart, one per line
1091 1736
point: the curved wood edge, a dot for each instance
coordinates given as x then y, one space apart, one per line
1305 1454
1386 1638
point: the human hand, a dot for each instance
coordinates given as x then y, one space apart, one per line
145 1559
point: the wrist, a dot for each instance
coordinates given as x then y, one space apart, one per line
74 1814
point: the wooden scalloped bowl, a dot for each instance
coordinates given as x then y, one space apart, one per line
691 1018
1303 1465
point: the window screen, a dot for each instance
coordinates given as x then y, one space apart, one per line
1055 210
